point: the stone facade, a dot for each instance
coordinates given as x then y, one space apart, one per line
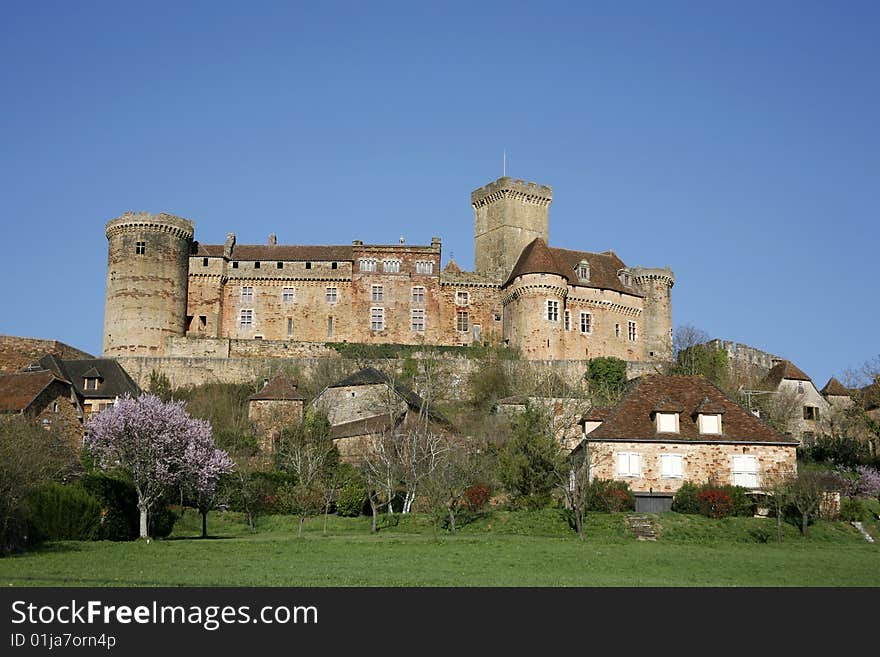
162 286
701 462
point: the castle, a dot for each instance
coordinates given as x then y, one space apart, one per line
548 302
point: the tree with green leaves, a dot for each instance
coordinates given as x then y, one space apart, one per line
606 376
529 460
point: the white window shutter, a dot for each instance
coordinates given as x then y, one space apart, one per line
622 463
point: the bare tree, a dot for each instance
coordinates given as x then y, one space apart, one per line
306 452
807 493
380 472
458 468
418 452
685 337
779 492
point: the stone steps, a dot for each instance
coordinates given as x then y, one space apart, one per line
864 531
644 528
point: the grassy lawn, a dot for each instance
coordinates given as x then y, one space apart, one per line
498 549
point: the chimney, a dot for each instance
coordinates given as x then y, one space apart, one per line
230 244
272 239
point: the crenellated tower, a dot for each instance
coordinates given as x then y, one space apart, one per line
656 286
508 215
147 271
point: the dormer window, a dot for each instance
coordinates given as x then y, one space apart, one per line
583 270
625 277
667 422
709 423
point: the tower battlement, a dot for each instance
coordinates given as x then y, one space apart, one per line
145 221
506 187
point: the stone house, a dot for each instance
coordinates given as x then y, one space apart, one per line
277 405
670 429
811 414
97 382
368 403
551 303
45 398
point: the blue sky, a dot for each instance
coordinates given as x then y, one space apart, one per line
735 142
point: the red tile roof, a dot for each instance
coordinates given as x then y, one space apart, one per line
538 258
633 417
279 388
19 389
784 369
284 252
834 388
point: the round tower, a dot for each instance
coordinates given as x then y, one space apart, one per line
656 285
534 315
147 271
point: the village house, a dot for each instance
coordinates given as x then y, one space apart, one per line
277 405
811 412
45 398
369 403
670 429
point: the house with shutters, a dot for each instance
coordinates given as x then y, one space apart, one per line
670 429
811 412
45 398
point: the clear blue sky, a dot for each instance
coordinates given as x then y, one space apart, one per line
737 143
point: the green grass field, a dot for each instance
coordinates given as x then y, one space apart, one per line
497 549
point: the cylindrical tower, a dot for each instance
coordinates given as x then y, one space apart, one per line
147 271
534 307
656 285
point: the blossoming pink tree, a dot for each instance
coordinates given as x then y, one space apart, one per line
156 442
204 464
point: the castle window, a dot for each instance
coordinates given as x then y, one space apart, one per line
417 317
235 264
586 323
567 320
583 270
462 321
377 293
628 464
625 277
552 310
391 266
425 267
246 319
258 337
497 317
800 387
204 262
377 319
462 298
279 265
331 294
667 422
418 295
257 264
671 466
140 248
709 423
308 264
745 471
367 264
631 331
476 332
329 327
334 265
617 330
289 326
288 295
811 413
247 294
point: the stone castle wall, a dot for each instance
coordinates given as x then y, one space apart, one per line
17 353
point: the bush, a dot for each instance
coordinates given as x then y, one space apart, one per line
714 503
477 497
852 510
710 500
351 500
160 520
118 501
610 496
63 513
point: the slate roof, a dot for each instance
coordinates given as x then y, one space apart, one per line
597 414
288 252
539 258
115 381
784 369
835 388
280 388
18 390
632 418
372 376
362 427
